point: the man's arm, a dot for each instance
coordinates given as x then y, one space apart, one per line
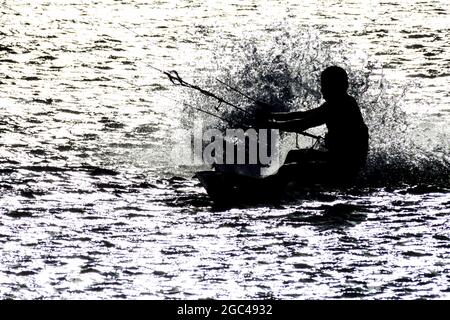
296 115
313 118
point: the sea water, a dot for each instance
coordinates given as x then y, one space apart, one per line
95 203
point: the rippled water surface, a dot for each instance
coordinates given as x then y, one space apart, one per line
92 207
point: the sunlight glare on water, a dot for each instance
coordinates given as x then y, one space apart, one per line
92 206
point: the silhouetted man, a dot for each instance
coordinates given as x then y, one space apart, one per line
347 138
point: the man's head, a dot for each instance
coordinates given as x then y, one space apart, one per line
334 82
